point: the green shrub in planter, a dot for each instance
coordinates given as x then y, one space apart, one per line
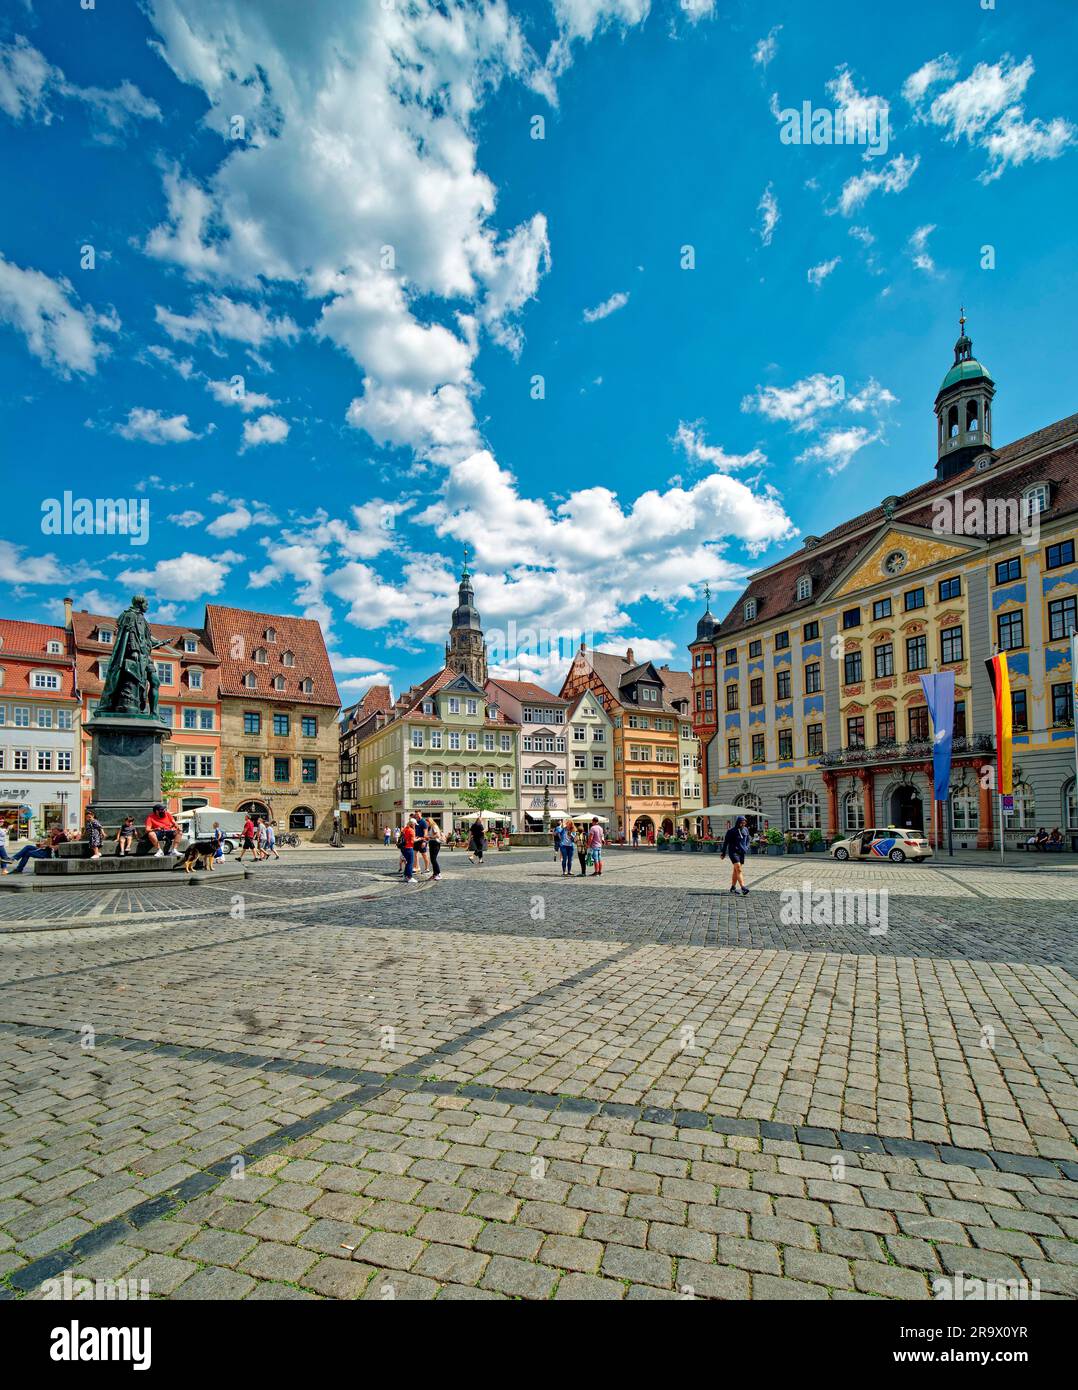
774 840
677 844
713 846
815 844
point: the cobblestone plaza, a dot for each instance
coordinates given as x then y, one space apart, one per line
322 1084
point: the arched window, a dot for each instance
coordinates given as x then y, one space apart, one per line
301 818
965 809
261 655
1070 805
952 422
1035 499
853 812
250 680
804 587
288 658
306 685
803 811
278 682
1024 815
270 634
972 421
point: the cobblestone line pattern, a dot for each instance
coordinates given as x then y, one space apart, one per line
577 1105
584 910
418 1196
93 1240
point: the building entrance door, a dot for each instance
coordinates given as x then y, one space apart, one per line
907 809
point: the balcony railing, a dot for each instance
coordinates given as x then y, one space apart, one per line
917 750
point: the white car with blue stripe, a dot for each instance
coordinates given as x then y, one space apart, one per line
888 843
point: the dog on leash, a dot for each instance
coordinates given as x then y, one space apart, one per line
198 855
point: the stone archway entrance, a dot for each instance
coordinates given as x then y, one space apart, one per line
668 826
907 809
254 808
644 826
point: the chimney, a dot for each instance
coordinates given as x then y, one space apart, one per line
67 612
629 655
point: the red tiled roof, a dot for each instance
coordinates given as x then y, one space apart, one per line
775 589
528 691
615 671
237 630
23 647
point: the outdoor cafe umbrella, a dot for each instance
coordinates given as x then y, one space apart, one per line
717 811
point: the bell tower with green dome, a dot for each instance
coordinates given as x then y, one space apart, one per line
963 409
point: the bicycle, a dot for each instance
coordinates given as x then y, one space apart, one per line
288 839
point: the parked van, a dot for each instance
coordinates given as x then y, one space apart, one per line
198 825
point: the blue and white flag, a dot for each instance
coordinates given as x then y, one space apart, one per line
939 696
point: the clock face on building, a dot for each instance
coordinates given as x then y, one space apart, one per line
895 563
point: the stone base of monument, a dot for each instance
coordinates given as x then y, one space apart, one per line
72 867
127 760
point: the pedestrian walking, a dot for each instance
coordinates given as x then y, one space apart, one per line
422 829
248 837
270 846
387 837
218 838
735 846
565 840
125 837
476 841
95 833
636 837
581 839
434 845
335 839
596 840
408 851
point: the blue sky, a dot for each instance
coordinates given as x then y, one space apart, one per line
347 314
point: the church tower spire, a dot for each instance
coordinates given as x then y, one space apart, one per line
466 650
963 409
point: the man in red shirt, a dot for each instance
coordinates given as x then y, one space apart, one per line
161 828
248 839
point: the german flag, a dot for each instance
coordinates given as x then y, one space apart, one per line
1001 694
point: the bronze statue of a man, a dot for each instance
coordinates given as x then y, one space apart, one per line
131 684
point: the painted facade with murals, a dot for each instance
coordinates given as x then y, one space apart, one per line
807 696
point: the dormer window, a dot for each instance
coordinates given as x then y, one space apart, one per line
1035 499
53 648
261 656
750 609
190 645
804 587
306 685
428 706
104 634
250 680
278 682
288 658
270 634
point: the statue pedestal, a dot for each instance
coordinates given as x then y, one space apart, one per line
127 763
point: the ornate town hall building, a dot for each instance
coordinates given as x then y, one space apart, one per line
807 696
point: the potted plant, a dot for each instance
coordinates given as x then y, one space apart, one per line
695 845
713 845
662 842
677 843
815 843
794 845
775 842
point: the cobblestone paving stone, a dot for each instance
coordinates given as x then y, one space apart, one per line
675 1173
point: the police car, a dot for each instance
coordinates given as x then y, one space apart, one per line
889 843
